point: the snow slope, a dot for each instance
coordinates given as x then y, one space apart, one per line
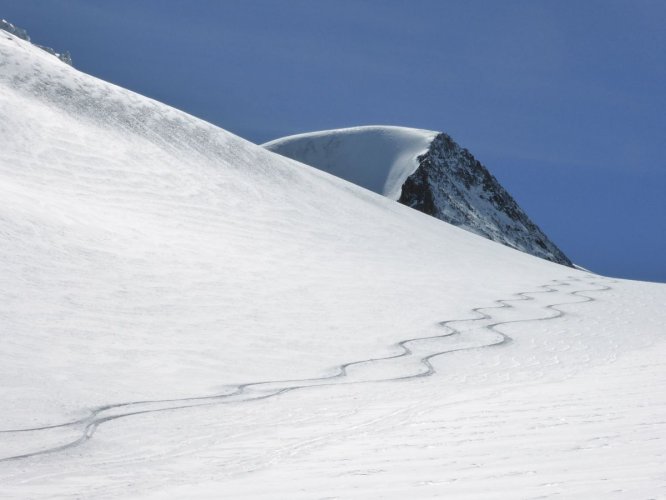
185 314
427 171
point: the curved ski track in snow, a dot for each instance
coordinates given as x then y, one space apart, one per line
238 393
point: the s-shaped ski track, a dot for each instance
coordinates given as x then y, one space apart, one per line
239 393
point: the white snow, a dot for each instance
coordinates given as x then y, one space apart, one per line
379 158
150 262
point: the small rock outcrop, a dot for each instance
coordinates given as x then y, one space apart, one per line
65 57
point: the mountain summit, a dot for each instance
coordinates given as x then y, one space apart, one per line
427 171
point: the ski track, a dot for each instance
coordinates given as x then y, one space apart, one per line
96 418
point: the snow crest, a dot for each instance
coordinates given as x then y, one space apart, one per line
378 158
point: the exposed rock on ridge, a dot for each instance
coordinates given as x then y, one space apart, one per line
65 57
451 185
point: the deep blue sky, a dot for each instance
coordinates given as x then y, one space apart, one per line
564 101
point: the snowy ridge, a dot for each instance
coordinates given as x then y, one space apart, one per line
379 158
65 57
427 171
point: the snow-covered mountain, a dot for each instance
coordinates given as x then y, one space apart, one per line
184 314
427 171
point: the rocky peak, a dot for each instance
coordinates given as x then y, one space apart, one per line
451 185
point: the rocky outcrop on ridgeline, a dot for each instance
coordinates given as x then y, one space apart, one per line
65 57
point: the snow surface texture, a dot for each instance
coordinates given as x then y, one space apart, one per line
427 171
187 315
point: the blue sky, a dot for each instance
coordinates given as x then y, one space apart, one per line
563 101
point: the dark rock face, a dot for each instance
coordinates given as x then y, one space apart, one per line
23 34
65 57
451 185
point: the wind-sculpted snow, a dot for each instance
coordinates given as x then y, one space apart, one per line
377 158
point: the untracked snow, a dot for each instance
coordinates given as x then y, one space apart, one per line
184 314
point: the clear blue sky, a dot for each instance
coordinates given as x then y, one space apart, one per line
564 101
